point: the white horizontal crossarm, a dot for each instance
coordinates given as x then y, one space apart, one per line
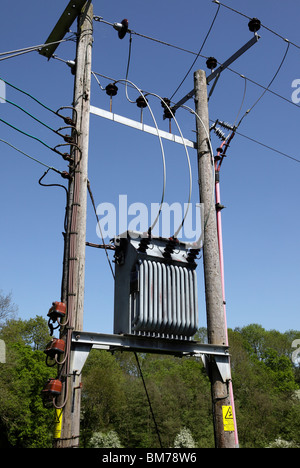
141 126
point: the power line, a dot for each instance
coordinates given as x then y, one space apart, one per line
262 25
29 114
198 55
159 41
269 147
148 399
32 158
35 100
233 71
270 84
26 134
264 87
99 224
27 94
244 136
26 50
205 57
234 131
151 228
67 138
65 156
68 121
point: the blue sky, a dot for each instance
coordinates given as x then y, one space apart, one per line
259 188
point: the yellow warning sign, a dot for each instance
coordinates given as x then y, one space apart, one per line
58 423
228 420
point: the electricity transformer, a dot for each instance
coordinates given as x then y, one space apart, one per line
155 287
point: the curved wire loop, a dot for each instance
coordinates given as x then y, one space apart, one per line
68 120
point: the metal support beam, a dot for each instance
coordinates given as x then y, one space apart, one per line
142 127
219 70
84 342
63 25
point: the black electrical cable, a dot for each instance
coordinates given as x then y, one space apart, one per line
270 84
198 55
262 25
236 73
101 20
244 136
268 147
35 47
148 398
30 157
29 114
51 185
95 210
281 153
205 57
55 150
242 104
29 95
55 185
26 134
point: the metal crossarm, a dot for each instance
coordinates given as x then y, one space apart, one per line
219 70
84 342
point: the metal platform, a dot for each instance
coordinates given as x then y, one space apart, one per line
84 342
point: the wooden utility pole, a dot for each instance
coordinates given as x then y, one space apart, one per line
75 242
212 274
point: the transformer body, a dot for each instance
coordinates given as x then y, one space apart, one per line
155 288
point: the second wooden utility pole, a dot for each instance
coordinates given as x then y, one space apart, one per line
74 262
212 274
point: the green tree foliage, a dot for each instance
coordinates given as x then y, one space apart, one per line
115 408
24 422
103 395
265 387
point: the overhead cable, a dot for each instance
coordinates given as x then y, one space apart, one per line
198 55
245 136
188 160
26 50
264 87
269 85
99 224
162 151
66 156
262 25
26 134
101 20
35 47
242 103
164 163
28 113
269 147
27 94
250 80
67 138
148 399
256 141
192 111
32 158
67 120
